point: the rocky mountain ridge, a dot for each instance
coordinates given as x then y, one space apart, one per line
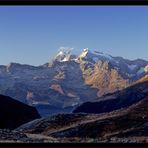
120 99
69 80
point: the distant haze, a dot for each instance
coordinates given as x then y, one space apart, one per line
33 34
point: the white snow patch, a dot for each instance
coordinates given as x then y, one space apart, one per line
84 53
104 55
76 60
85 49
132 67
65 59
141 70
60 53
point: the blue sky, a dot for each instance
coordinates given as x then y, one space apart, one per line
33 34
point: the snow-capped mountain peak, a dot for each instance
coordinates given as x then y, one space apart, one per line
65 56
94 56
60 53
84 53
63 81
62 56
127 68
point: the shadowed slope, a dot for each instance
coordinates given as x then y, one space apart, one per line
14 113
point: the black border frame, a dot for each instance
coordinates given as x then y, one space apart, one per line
75 3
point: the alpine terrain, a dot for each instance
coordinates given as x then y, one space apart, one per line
69 80
91 97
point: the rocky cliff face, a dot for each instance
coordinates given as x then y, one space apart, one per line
104 78
117 100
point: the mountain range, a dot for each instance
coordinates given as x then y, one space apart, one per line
68 81
125 125
91 97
